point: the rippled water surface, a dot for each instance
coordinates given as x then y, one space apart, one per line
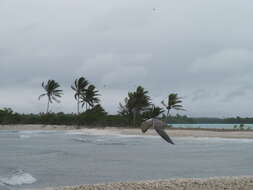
34 159
213 126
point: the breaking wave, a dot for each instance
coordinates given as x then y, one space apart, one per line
29 134
93 132
18 177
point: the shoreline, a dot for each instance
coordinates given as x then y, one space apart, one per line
213 183
173 132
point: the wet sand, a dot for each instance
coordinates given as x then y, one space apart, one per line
135 131
216 183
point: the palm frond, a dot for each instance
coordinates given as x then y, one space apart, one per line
52 90
164 104
174 102
41 96
56 100
73 88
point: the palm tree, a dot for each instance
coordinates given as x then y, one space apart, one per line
79 87
135 103
152 112
174 102
90 97
52 92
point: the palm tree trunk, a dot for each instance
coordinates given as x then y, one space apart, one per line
48 106
168 112
78 102
134 118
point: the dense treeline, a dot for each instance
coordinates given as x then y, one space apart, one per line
92 117
98 117
208 120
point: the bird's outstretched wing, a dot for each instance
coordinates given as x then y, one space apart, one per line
146 125
163 134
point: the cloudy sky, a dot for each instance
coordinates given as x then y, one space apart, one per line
202 50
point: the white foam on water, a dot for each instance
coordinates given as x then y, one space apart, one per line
35 133
74 132
24 136
29 134
216 139
106 132
102 132
18 178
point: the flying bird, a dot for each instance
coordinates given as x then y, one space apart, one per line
159 126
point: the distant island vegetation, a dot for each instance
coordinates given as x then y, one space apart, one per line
136 107
98 117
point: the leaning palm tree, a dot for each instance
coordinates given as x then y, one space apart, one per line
90 97
136 102
152 112
139 100
52 92
173 102
79 87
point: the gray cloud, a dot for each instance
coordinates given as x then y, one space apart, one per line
201 49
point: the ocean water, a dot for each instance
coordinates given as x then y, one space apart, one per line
212 126
35 159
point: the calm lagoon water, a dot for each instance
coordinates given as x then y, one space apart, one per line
35 159
211 126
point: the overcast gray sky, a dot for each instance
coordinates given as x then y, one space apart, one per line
199 49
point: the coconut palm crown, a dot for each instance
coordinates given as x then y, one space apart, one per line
90 97
52 92
135 103
152 112
79 87
173 102
138 100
